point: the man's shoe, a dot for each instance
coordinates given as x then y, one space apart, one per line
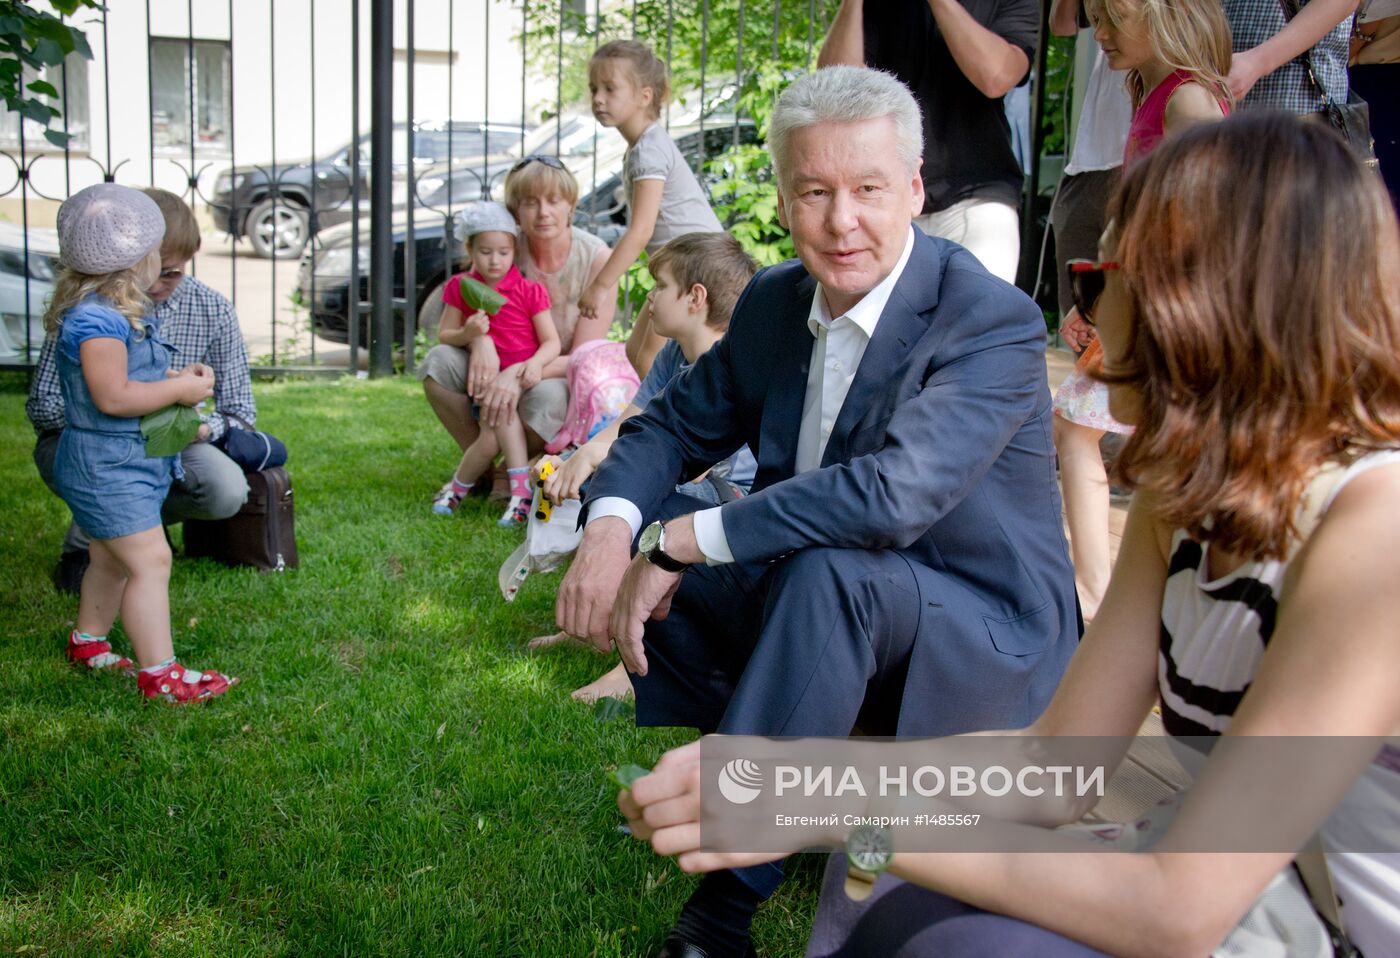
68 577
676 946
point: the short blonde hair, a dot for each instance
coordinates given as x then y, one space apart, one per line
182 239
1190 35
536 180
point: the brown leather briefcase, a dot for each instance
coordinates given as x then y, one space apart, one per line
262 534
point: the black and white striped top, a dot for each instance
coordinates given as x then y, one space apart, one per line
1215 631
1214 634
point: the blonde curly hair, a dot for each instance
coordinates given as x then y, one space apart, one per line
120 289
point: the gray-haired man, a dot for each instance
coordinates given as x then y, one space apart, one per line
899 562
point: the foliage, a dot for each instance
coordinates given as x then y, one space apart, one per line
395 774
169 429
1059 69
37 39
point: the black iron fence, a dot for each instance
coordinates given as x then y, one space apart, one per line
232 98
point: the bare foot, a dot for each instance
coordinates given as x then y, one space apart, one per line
614 683
559 638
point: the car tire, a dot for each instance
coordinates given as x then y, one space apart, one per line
278 228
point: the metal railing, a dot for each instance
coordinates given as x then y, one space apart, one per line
717 49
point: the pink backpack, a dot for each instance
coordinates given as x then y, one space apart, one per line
601 384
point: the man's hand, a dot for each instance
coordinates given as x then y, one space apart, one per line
645 593
483 365
586 595
1245 71
1076 333
501 397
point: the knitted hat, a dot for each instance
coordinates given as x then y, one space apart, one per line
485 217
107 228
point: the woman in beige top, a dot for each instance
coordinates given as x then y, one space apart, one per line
541 194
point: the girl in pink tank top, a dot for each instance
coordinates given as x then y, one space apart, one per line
1177 55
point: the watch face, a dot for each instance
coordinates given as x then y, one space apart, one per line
650 539
869 848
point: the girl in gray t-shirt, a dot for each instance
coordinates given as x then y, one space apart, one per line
664 200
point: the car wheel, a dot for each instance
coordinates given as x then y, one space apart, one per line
278 229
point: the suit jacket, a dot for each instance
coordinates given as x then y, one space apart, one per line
941 451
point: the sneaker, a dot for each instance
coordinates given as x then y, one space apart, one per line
178 685
97 655
446 502
72 566
516 514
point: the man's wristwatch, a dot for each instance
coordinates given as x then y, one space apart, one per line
652 546
869 850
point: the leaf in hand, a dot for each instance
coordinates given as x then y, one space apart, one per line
168 431
478 295
625 775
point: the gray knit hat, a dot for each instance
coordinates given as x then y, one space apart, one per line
107 228
485 217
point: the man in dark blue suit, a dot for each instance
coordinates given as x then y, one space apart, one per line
900 562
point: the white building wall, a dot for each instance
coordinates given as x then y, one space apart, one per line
274 112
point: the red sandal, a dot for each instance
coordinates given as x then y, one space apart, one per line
97 655
178 685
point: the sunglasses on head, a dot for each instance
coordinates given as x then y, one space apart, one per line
550 161
1086 285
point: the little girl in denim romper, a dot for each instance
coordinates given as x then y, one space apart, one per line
113 367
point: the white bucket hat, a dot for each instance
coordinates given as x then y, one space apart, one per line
485 217
107 228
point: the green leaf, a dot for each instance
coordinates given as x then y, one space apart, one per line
608 708
44 87
168 431
48 52
37 110
58 138
625 775
478 295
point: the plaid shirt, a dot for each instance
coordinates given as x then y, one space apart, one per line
1252 22
202 326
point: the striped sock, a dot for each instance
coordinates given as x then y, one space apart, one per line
159 666
520 482
460 490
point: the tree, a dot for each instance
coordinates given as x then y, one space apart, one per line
36 39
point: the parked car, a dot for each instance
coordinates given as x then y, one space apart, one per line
26 282
323 279
279 207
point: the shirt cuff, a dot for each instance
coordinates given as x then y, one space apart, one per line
615 506
710 537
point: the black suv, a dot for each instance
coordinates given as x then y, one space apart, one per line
323 281
280 207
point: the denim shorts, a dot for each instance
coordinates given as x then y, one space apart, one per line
111 487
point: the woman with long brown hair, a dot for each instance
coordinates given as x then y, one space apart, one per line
1250 318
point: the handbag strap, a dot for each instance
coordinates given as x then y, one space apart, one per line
1290 10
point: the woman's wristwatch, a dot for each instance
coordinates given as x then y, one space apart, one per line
869 850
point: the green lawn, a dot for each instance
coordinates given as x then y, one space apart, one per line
394 776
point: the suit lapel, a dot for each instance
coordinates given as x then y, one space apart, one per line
788 367
901 326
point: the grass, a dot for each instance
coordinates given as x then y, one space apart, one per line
395 776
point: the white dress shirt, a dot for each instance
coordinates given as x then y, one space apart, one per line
837 347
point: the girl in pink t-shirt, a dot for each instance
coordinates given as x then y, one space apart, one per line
525 337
